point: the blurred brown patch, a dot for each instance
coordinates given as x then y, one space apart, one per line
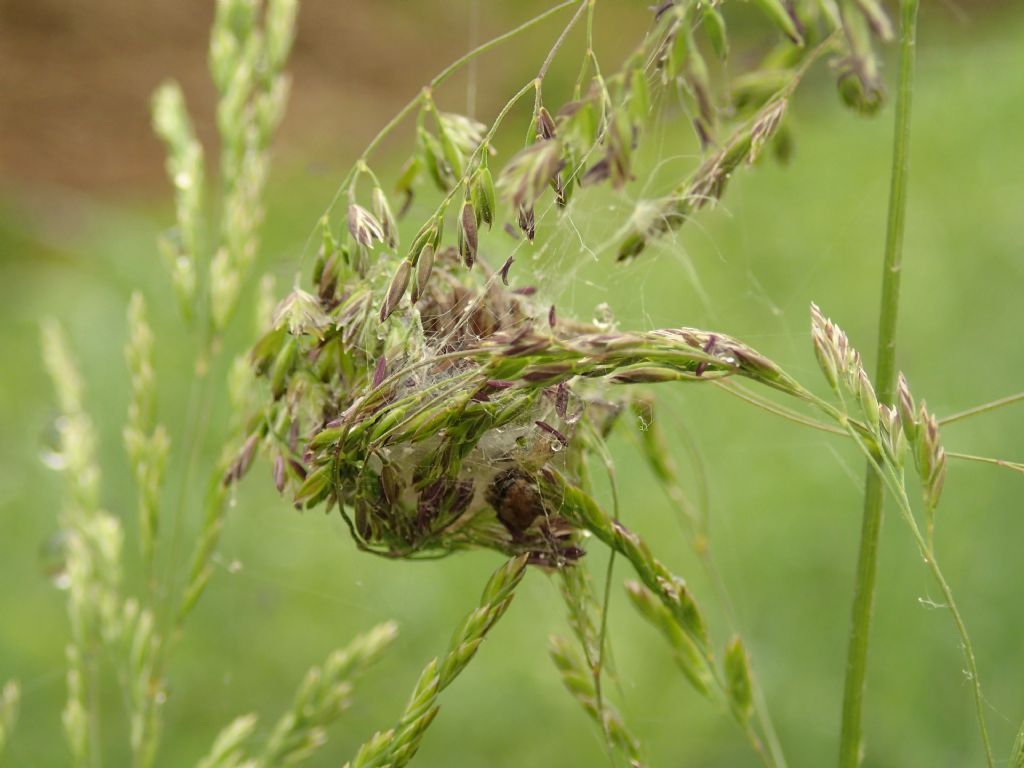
76 76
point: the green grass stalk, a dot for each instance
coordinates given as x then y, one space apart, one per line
851 734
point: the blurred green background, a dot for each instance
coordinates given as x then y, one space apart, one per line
82 200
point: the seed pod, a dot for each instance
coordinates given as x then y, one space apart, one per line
639 96
877 19
826 361
325 437
545 125
433 159
868 401
279 473
924 445
396 289
363 227
380 371
679 54
714 24
468 234
527 223
426 236
388 421
778 13
424 266
318 268
282 365
390 484
314 485
905 404
503 272
483 196
383 212
327 282
452 155
737 675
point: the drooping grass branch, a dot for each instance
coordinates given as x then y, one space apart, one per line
885 435
677 602
396 747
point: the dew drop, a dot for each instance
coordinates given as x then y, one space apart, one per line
61 580
54 460
53 556
50 453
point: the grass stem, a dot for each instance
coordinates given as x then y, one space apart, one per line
851 734
983 408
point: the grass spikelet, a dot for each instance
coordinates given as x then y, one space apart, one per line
321 699
685 651
181 246
228 750
670 589
737 677
580 683
141 648
146 442
247 56
92 570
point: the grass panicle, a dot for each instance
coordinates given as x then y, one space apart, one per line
250 42
91 540
579 681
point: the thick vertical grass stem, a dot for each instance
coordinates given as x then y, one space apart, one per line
850 744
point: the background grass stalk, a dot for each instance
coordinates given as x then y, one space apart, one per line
851 734
893 480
